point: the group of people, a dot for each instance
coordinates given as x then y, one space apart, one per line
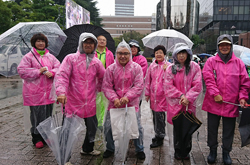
171 88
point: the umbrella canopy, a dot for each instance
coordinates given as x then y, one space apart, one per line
195 56
238 50
60 139
73 33
167 38
202 55
13 43
243 53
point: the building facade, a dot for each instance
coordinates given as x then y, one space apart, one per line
124 7
219 17
118 25
181 15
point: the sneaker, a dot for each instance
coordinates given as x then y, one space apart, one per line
94 152
187 157
39 145
68 163
107 154
177 156
141 155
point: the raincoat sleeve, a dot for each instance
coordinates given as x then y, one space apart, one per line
148 80
208 76
56 66
62 76
100 75
196 84
108 85
170 90
25 69
244 83
137 86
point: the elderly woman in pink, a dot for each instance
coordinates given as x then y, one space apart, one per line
182 84
38 68
155 93
77 82
226 80
123 84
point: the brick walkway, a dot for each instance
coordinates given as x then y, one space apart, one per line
16 146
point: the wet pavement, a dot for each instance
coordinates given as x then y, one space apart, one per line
16 147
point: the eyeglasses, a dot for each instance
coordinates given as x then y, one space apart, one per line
122 53
90 42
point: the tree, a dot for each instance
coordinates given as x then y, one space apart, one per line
197 41
5 17
130 35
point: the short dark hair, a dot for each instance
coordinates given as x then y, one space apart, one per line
160 47
38 36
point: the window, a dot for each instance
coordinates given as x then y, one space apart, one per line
131 25
236 10
246 11
241 10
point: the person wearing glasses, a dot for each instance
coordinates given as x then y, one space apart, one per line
123 84
227 80
77 81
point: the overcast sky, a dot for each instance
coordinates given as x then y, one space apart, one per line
142 7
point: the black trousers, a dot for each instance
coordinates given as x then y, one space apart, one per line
228 125
37 115
159 119
91 127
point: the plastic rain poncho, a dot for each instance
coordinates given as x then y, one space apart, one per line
79 78
123 81
36 86
154 86
230 80
177 84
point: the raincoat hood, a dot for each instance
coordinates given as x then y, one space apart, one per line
123 44
179 47
225 58
82 38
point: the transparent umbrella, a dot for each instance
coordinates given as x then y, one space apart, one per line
243 53
167 38
60 138
15 43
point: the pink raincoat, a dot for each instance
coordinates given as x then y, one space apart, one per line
109 57
154 86
36 86
79 80
230 80
142 61
124 81
175 85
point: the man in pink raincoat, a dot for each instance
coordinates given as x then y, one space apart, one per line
155 93
182 84
226 80
38 83
79 78
123 84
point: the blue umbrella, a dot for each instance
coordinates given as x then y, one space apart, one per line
202 55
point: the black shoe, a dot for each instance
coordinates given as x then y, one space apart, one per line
107 154
177 156
226 158
156 143
153 139
141 155
212 156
